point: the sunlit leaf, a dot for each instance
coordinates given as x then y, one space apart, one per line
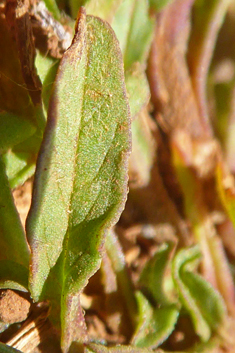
81 177
103 8
134 30
53 8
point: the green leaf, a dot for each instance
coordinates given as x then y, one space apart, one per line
13 130
98 348
13 275
19 167
143 151
156 278
7 349
81 177
48 84
20 161
158 5
53 8
14 252
104 9
155 325
13 244
47 68
134 30
203 302
137 88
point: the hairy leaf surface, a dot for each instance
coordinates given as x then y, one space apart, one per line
81 177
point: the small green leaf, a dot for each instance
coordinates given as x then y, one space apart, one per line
7 349
155 324
81 177
204 304
210 302
134 30
156 278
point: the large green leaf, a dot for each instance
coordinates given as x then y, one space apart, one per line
81 177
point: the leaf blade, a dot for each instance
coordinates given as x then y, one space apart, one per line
81 178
